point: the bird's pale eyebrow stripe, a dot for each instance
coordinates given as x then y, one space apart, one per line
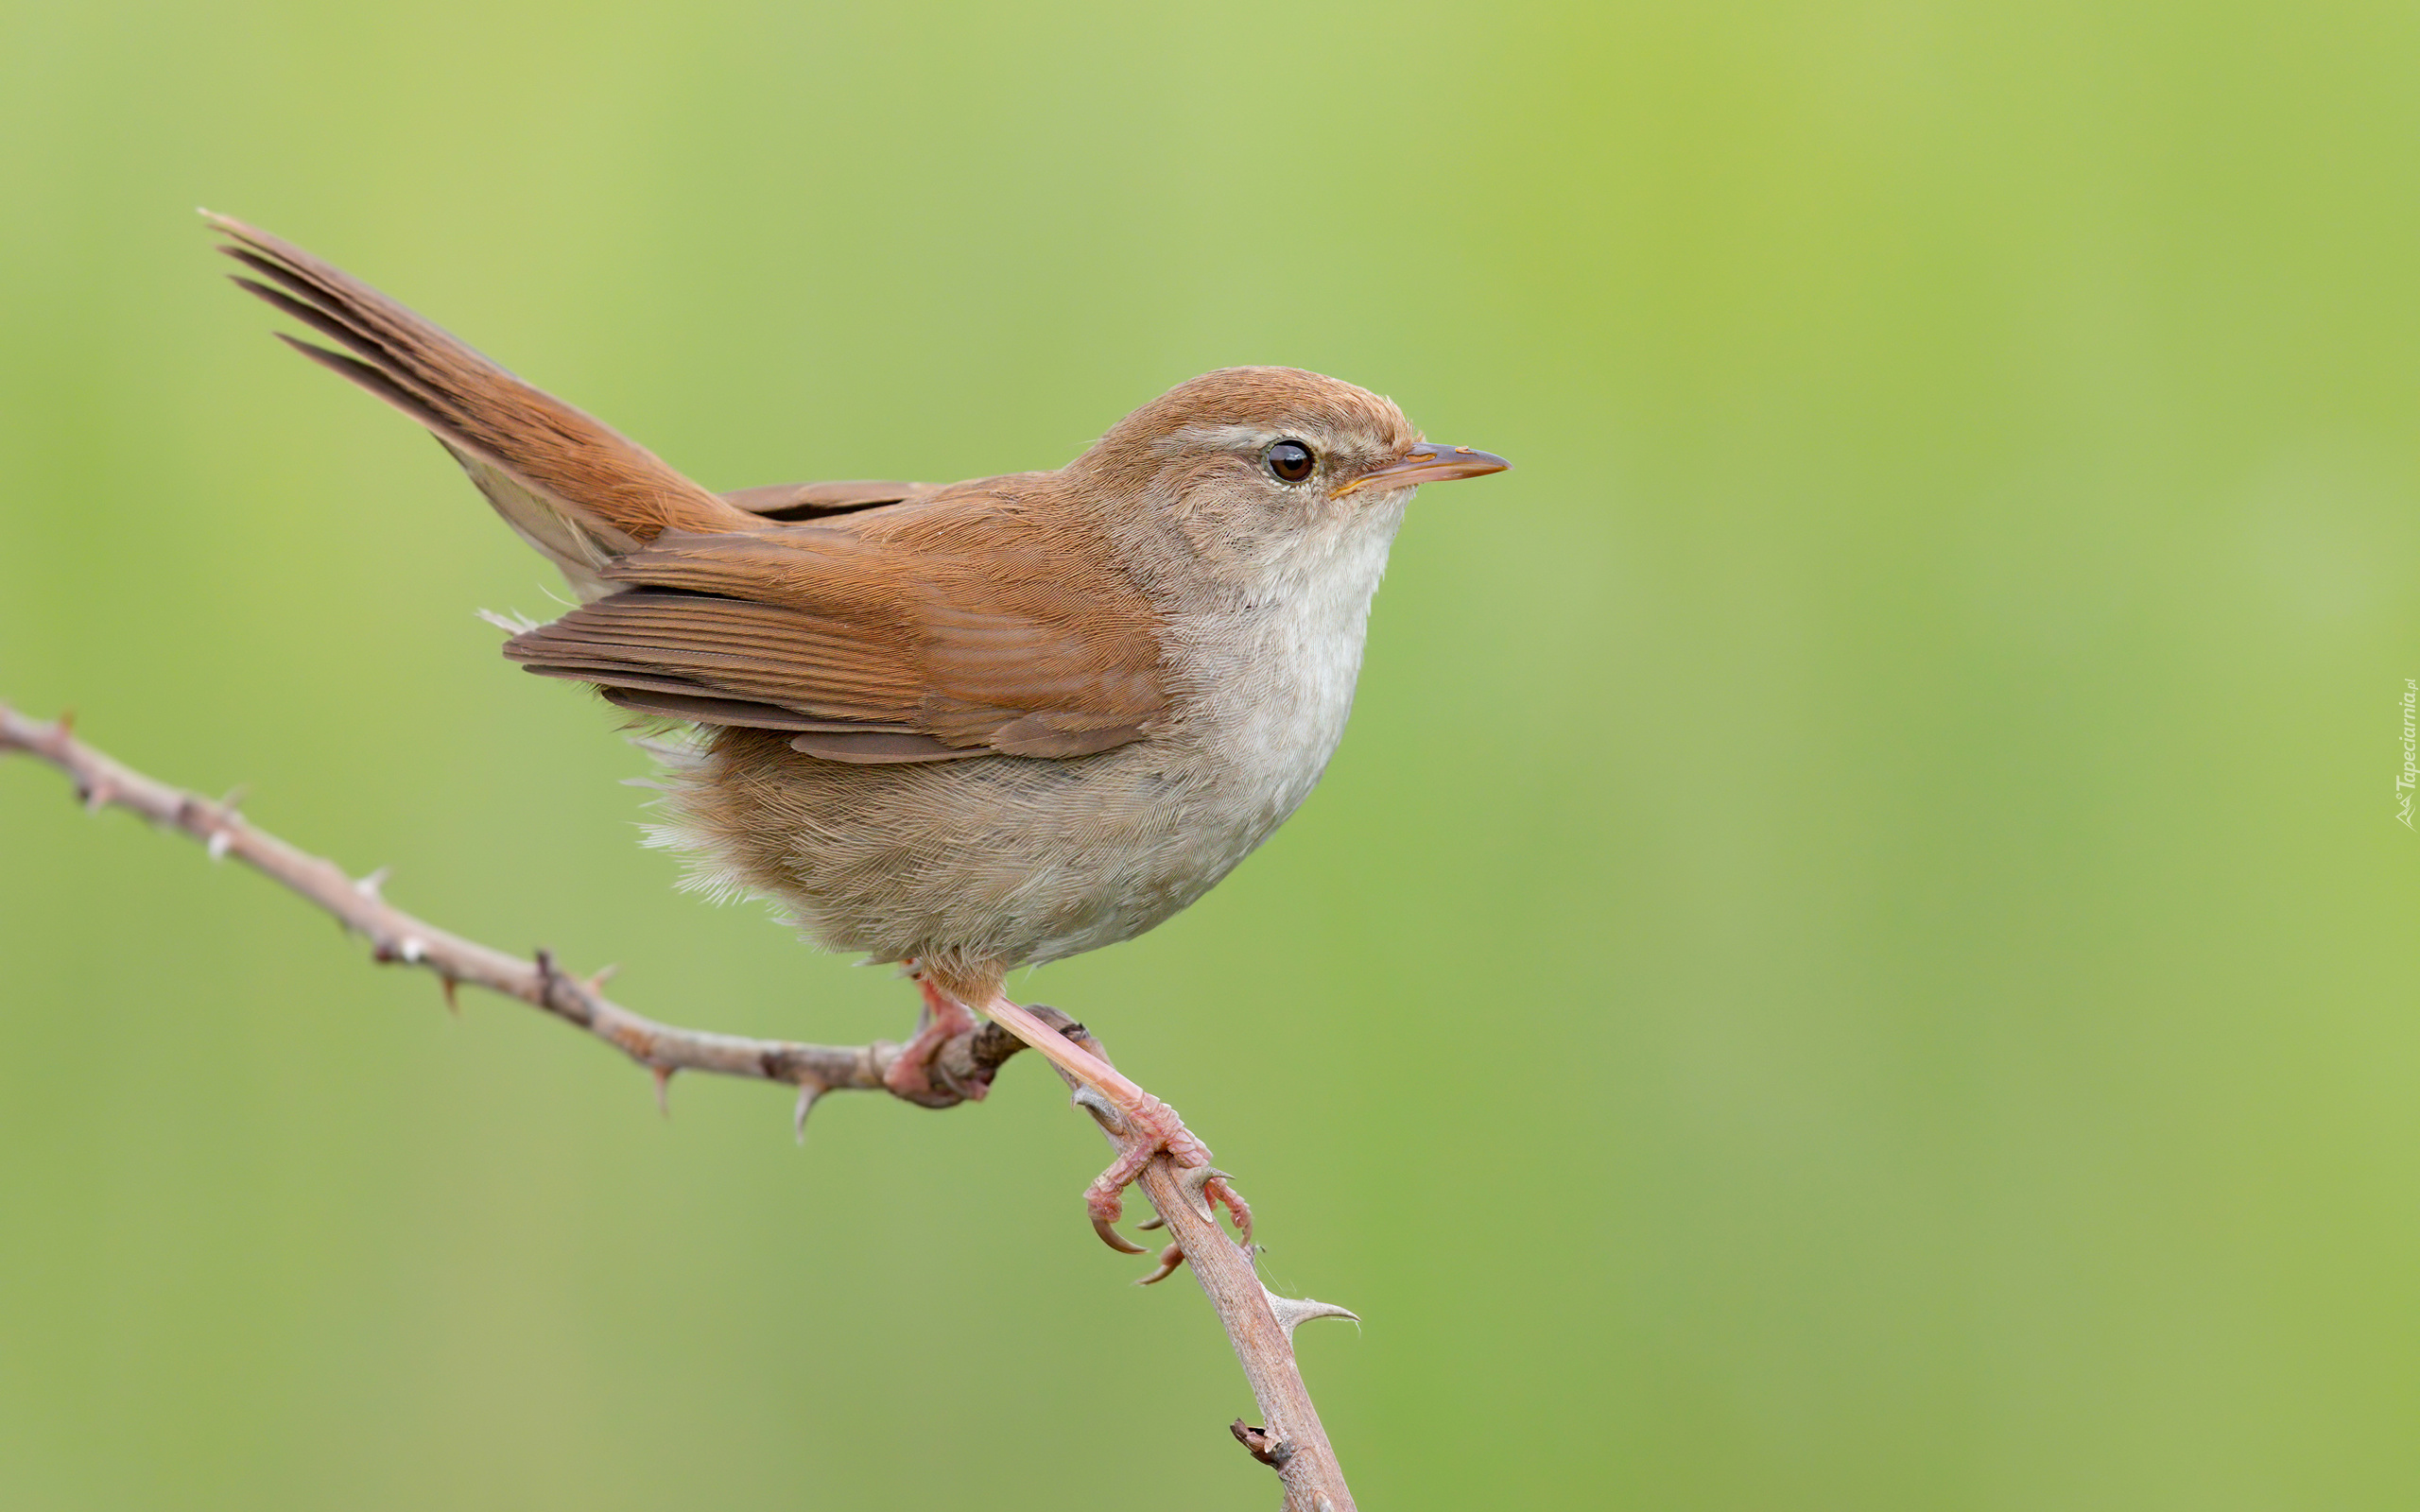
1216 437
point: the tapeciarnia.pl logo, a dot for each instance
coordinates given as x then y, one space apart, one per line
2403 784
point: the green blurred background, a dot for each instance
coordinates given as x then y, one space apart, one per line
1856 955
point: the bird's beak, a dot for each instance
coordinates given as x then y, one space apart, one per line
1425 463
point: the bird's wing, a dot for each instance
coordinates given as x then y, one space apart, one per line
870 650
914 623
572 486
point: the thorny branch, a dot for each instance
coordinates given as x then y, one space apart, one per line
1259 1324
397 936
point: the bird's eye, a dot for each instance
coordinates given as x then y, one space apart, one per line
1290 461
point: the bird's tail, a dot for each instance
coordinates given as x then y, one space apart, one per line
570 485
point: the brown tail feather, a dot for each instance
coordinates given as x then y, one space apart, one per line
573 486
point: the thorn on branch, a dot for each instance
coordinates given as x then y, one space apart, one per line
662 1088
1293 1311
453 998
369 887
223 821
1195 1181
807 1093
1093 1103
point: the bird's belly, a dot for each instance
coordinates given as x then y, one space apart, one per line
993 861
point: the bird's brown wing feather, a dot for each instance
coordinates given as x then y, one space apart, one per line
870 650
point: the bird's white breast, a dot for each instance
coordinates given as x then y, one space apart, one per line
1281 666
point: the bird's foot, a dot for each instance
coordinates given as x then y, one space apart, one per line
1144 1131
1141 1127
916 1074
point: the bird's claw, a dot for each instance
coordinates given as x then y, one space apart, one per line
918 1076
1150 1130
1107 1228
1170 1258
1101 1199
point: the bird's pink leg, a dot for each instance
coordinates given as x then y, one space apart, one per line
1151 1127
944 1018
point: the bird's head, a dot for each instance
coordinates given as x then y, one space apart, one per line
1257 468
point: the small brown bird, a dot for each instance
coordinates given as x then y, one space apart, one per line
964 728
